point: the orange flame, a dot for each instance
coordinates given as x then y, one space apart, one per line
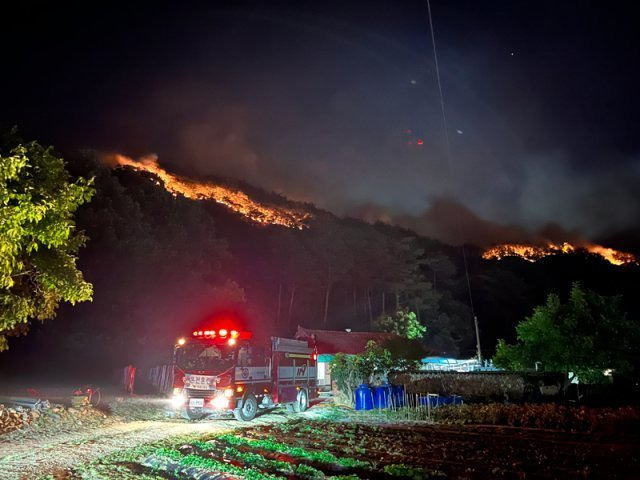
235 200
532 253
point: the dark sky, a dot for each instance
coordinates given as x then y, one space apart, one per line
316 99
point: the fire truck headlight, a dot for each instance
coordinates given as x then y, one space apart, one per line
228 392
178 400
220 402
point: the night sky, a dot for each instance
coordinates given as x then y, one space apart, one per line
327 101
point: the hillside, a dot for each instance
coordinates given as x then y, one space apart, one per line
162 262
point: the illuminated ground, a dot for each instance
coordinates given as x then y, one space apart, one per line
29 455
322 443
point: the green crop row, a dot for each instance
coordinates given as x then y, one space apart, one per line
399 470
254 465
186 461
299 452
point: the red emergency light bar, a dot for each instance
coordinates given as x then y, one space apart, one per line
223 333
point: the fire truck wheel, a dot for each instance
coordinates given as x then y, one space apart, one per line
248 410
302 402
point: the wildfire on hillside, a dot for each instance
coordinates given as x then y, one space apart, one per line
532 253
235 200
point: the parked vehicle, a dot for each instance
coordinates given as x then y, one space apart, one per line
221 371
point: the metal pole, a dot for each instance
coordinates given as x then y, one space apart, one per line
479 351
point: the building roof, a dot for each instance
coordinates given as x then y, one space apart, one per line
341 341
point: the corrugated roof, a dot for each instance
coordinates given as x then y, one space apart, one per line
340 341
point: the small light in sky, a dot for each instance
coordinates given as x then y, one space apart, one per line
459 132
413 82
419 141
512 54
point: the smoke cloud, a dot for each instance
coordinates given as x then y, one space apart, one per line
341 107
453 223
347 157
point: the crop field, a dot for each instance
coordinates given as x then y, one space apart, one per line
308 449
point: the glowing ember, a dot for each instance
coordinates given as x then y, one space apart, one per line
532 253
235 200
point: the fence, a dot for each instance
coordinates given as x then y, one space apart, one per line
161 378
407 406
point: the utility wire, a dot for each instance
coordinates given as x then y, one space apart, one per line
450 164
435 59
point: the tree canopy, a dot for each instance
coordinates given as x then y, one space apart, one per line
378 359
402 322
38 238
586 335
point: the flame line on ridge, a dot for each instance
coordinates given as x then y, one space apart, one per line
235 200
532 253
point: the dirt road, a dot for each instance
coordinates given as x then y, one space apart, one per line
33 456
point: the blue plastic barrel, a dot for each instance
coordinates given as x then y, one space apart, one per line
398 395
382 396
431 400
364 397
446 400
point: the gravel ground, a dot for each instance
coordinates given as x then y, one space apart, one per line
30 454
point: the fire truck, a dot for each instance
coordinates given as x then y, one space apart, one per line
226 371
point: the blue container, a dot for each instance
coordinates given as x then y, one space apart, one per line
431 400
446 400
397 394
382 396
364 397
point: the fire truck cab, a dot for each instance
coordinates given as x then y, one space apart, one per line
225 371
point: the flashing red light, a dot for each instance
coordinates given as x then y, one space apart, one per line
314 356
224 334
419 141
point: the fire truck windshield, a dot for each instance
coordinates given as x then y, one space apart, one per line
198 356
